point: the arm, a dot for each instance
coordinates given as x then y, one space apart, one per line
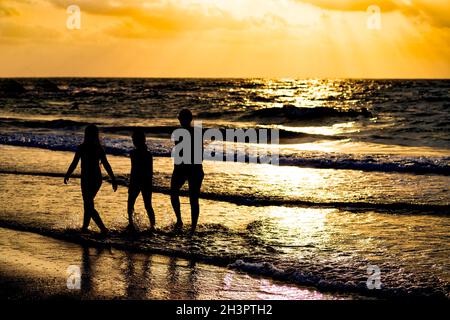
109 170
72 166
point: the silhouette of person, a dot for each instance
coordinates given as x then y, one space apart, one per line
140 179
192 172
91 154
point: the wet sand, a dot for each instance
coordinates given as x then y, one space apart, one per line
36 267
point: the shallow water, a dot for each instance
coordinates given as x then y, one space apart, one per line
33 266
369 125
329 248
363 179
260 184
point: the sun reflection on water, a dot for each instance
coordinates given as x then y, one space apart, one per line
335 129
302 223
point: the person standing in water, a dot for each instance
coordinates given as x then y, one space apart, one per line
91 154
140 179
190 170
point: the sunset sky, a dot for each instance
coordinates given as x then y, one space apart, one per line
226 38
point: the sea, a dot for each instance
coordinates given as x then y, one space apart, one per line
361 183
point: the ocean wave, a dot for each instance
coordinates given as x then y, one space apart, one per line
370 163
216 114
46 124
45 85
285 136
291 112
292 275
163 148
269 200
11 88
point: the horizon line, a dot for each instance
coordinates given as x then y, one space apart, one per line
206 78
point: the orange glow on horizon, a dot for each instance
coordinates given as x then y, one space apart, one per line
218 38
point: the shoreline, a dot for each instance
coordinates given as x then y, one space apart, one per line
117 274
328 249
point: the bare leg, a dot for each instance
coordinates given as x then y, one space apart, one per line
89 209
195 211
88 204
175 186
195 183
175 200
90 212
132 195
86 219
98 221
147 197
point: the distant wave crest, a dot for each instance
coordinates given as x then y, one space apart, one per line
163 148
292 112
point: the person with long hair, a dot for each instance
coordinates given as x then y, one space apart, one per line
91 154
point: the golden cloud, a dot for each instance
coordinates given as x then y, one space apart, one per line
434 12
12 30
160 15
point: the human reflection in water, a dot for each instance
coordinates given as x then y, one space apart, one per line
182 280
91 154
89 259
138 276
193 280
86 273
